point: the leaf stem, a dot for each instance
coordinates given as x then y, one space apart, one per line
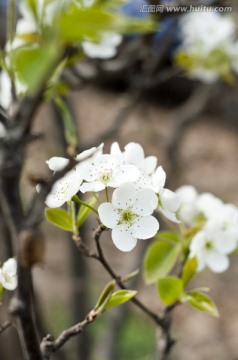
77 200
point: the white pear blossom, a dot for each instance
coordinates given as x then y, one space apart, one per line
209 43
106 171
129 215
150 177
106 48
8 274
211 247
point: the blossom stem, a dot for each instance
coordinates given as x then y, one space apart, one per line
72 209
77 200
96 197
106 192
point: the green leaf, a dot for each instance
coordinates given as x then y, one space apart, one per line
201 301
78 24
169 236
105 297
34 64
84 211
169 288
189 270
119 297
69 124
159 259
59 218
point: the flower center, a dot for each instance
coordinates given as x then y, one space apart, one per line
127 216
208 245
106 176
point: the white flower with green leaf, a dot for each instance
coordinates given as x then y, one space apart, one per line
129 215
8 274
208 40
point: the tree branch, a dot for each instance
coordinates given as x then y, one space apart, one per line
49 345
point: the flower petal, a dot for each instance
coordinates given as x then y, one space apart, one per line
217 262
90 152
145 227
145 203
122 238
94 186
108 215
158 179
170 215
124 196
125 173
149 164
170 200
134 154
57 163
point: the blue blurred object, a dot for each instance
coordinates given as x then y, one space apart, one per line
3 21
137 8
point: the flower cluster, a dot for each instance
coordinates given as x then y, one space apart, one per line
214 226
139 190
8 274
209 48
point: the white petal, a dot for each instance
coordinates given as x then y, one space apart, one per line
10 267
134 154
198 242
159 178
225 244
170 200
145 203
63 189
124 196
187 193
149 164
90 152
170 215
57 163
115 149
217 262
122 238
8 274
108 215
145 227
126 173
94 186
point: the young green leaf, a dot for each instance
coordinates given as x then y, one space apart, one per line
189 270
60 218
69 125
84 23
170 289
105 297
201 301
159 259
119 297
33 64
84 211
169 236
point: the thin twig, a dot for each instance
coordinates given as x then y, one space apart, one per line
49 345
5 326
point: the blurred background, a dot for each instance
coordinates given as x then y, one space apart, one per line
140 94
